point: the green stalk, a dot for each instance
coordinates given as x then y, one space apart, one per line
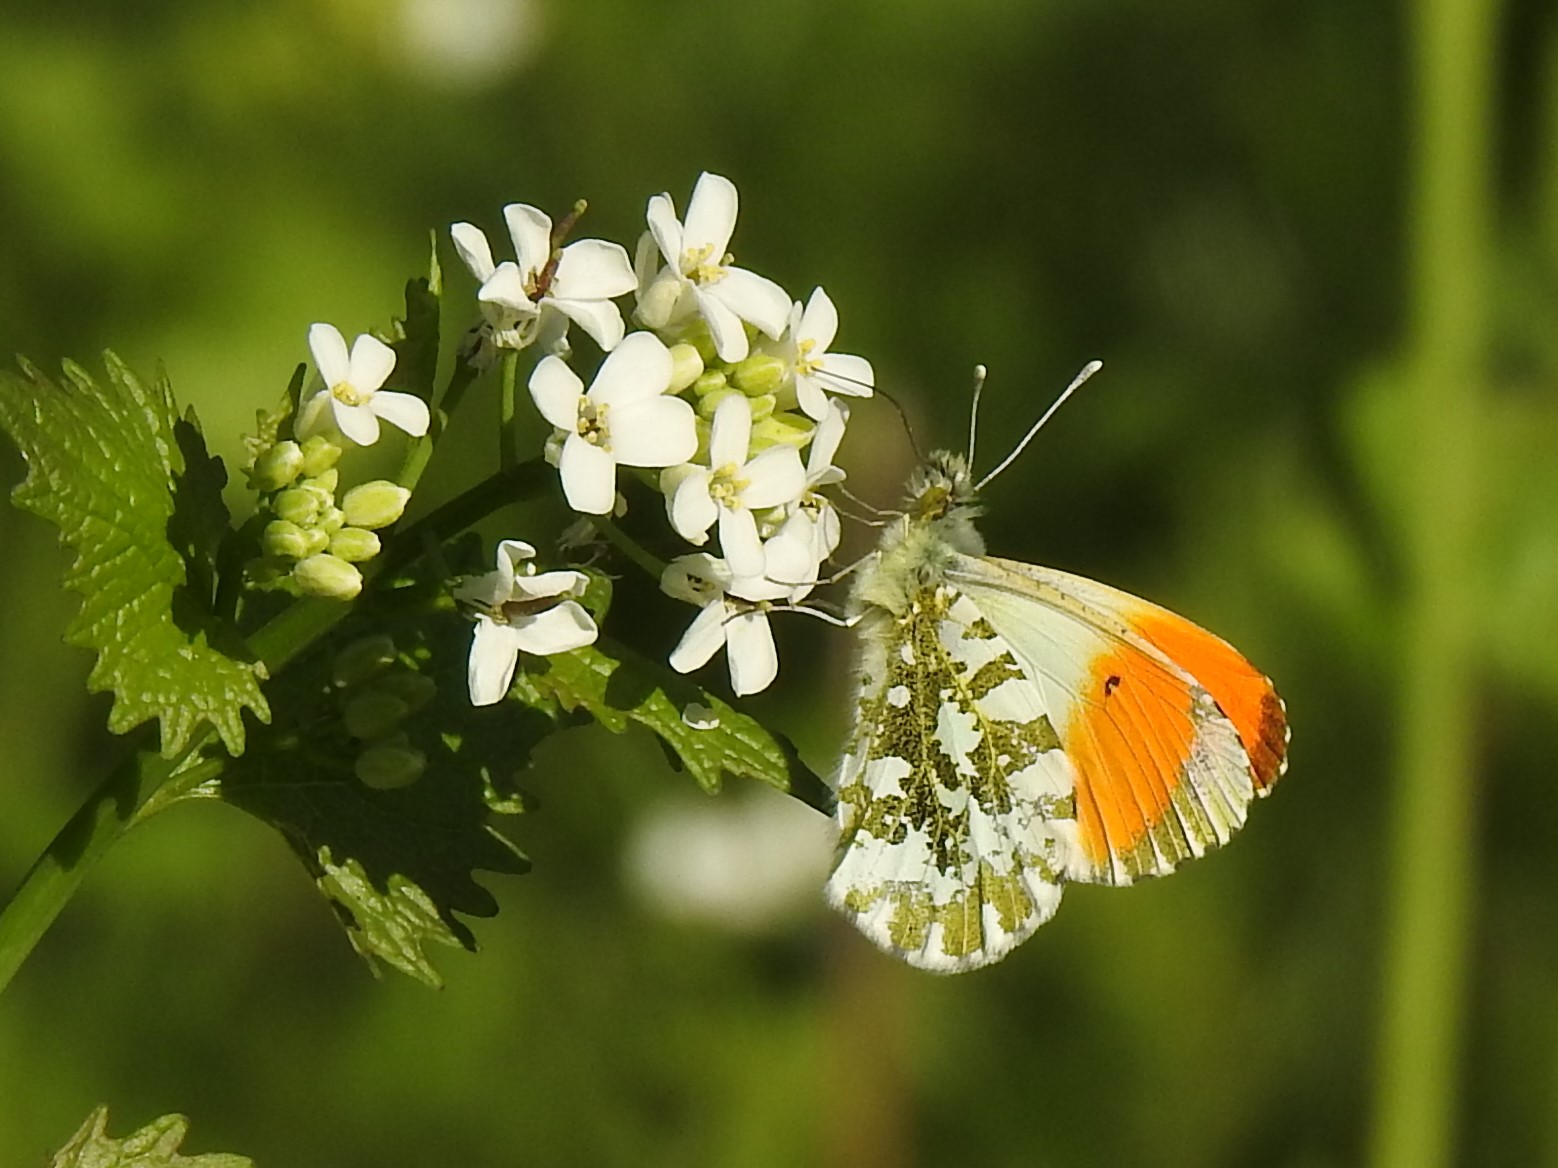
138 787
1417 1096
508 440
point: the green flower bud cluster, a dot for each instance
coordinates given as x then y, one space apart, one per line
762 377
316 542
377 692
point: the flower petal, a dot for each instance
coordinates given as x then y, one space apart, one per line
494 653
486 591
531 230
545 585
660 431
703 638
593 269
372 361
755 299
600 318
739 541
843 373
666 228
774 477
711 216
730 435
557 630
471 243
330 357
357 422
693 510
754 662
811 397
639 367
403 410
556 390
825 441
730 338
696 578
506 286
589 476
820 321
312 417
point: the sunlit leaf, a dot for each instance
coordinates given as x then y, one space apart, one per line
155 1146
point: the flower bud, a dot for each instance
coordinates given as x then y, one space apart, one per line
284 539
331 520
656 302
374 505
328 576
709 381
389 765
319 455
372 713
415 689
326 481
709 402
758 373
762 406
315 540
277 467
686 366
297 505
780 430
363 659
354 545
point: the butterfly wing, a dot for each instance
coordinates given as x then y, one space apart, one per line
1167 731
954 796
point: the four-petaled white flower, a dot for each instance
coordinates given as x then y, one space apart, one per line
352 392
733 615
519 611
697 265
731 488
534 298
625 418
817 371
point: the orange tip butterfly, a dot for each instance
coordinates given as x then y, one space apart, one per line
1017 728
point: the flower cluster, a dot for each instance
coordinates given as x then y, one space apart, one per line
727 388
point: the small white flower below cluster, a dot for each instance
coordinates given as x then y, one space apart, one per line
352 389
518 611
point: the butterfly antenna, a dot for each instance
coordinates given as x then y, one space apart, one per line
973 410
904 417
1077 382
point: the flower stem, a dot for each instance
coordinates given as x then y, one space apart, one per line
508 447
1429 914
629 547
138 787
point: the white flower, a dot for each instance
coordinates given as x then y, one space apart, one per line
352 390
697 262
624 418
737 624
811 530
817 371
534 298
520 611
731 488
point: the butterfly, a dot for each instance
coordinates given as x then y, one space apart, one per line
1018 728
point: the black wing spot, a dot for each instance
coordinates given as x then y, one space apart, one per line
1111 684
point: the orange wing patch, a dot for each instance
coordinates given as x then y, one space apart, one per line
1129 739
1244 693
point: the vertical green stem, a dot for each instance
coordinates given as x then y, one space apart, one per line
508 449
1433 871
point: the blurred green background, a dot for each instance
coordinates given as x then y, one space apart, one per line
1320 260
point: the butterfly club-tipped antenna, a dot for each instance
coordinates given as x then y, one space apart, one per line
1077 382
980 373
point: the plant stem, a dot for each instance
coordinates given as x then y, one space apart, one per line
508 449
1429 913
135 789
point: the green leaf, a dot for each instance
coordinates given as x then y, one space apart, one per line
396 865
618 687
134 493
155 1146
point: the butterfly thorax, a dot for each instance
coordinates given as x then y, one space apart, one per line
936 524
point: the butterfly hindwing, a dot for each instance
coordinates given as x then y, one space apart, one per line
954 798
